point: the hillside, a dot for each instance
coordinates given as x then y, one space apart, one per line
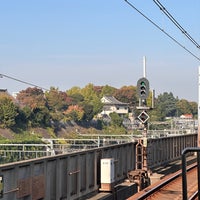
38 133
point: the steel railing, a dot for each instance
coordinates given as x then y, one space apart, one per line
184 170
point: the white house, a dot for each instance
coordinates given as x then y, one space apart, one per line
111 104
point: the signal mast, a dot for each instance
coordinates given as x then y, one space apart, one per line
143 93
140 174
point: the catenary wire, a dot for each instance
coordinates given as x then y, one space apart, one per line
164 10
158 27
21 81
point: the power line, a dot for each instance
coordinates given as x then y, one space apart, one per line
21 81
158 27
162 8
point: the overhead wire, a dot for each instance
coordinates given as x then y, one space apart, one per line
158 27
164 10
152 22
21 81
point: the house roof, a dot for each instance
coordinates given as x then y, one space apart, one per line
112 100
3 91
186 116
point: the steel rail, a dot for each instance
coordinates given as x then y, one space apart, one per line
155 189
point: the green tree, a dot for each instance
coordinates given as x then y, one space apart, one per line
107 91
8 112
184 107
77 98
90 97
116 120
74 90
166 105
40 117
23 118
194 108
88 111
57 100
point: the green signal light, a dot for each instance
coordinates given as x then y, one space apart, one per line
143 88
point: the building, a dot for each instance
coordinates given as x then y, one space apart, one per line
186 116
111 104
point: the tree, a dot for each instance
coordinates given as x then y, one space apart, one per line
184 107
107 90
8 112
74 90
98 90
32 97
126 94
77 98
116 120
23 119
156 115
40 117
88 111
57 100
194 108
74 113
90 97
166 105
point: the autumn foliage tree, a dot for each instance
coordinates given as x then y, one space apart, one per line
31 97
88 99
35 108
33 103
126 94
74 113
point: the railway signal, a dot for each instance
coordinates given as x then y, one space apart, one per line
143 117
143 88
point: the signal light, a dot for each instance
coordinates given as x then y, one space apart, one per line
143 88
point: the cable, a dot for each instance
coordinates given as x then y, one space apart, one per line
162 8
15 79
158 27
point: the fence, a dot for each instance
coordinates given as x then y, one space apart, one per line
66 176
75 175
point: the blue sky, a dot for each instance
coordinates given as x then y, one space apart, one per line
66 43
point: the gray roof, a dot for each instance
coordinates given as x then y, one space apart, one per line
3 90
113 100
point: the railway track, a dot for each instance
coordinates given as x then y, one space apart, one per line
170 187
